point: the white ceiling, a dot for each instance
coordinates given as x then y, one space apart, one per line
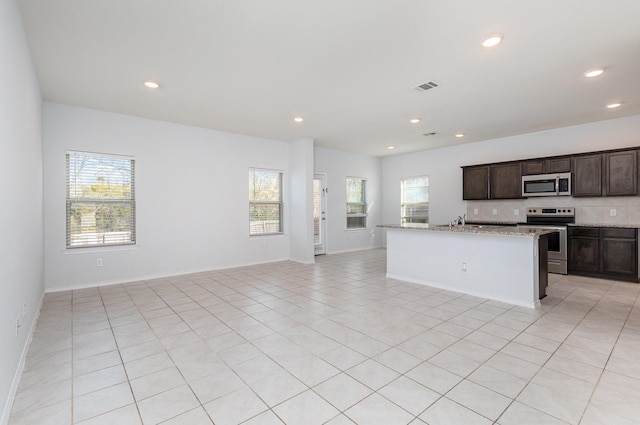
348 67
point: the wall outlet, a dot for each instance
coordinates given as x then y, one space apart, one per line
99 262
516 212
464 267
495 211
475 211
613 212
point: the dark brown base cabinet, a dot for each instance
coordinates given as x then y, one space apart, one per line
605 252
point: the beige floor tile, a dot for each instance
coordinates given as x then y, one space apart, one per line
376 409
278 387
167 405
520 414
342 391
498 381
252 337
397 360
156 383
235 407
54 414
481 400
146 365
373 374
216 385
102 401
127 415
409 395
98 380
306 408
434 377
265 418
447 412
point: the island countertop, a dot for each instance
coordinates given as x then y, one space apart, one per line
486 229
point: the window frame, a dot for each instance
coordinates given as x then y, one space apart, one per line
279 203
73 201
411 218
362 204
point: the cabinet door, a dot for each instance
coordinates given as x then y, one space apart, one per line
475 182
534 166
506 181
621 173
584 254
620 252
587 179
558 165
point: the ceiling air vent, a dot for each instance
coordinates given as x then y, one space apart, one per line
433 133
426 86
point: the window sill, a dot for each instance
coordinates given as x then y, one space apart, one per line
268 236
359 229
93 249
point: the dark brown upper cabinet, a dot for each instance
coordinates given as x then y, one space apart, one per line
475 182
505 181
587 177
546 166
605 173
621 173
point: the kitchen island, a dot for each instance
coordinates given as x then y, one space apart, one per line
502 263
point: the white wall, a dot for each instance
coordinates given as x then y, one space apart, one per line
445 175
301 199
191 190
21 270
338 166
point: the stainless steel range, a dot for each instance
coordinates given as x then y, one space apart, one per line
554 220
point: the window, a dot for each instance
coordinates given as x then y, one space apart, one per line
415 200
356 203
101 206
265 202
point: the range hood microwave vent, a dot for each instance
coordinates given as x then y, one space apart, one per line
426 86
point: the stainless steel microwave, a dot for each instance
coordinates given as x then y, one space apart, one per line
546 185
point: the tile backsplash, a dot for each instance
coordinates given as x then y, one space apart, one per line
604 210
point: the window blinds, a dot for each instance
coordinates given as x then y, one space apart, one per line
100 200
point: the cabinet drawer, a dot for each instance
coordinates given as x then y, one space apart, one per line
619 233
584 231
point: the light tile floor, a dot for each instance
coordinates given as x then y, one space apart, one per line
335 342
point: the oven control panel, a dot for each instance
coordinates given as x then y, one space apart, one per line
551 212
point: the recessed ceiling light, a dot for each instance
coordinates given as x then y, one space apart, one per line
391 147
151 84
594 72
459 135
298 119
492 40
614 105
415 120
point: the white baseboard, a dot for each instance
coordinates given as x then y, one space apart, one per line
151 277
23 357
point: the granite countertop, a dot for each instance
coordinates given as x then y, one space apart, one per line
612 225
488 229
515 223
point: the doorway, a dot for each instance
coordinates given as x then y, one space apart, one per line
319 213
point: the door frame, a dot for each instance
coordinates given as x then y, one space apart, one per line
321 248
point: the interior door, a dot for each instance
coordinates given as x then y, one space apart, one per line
319 216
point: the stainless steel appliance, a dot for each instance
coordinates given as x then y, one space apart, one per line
554 220
546 185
